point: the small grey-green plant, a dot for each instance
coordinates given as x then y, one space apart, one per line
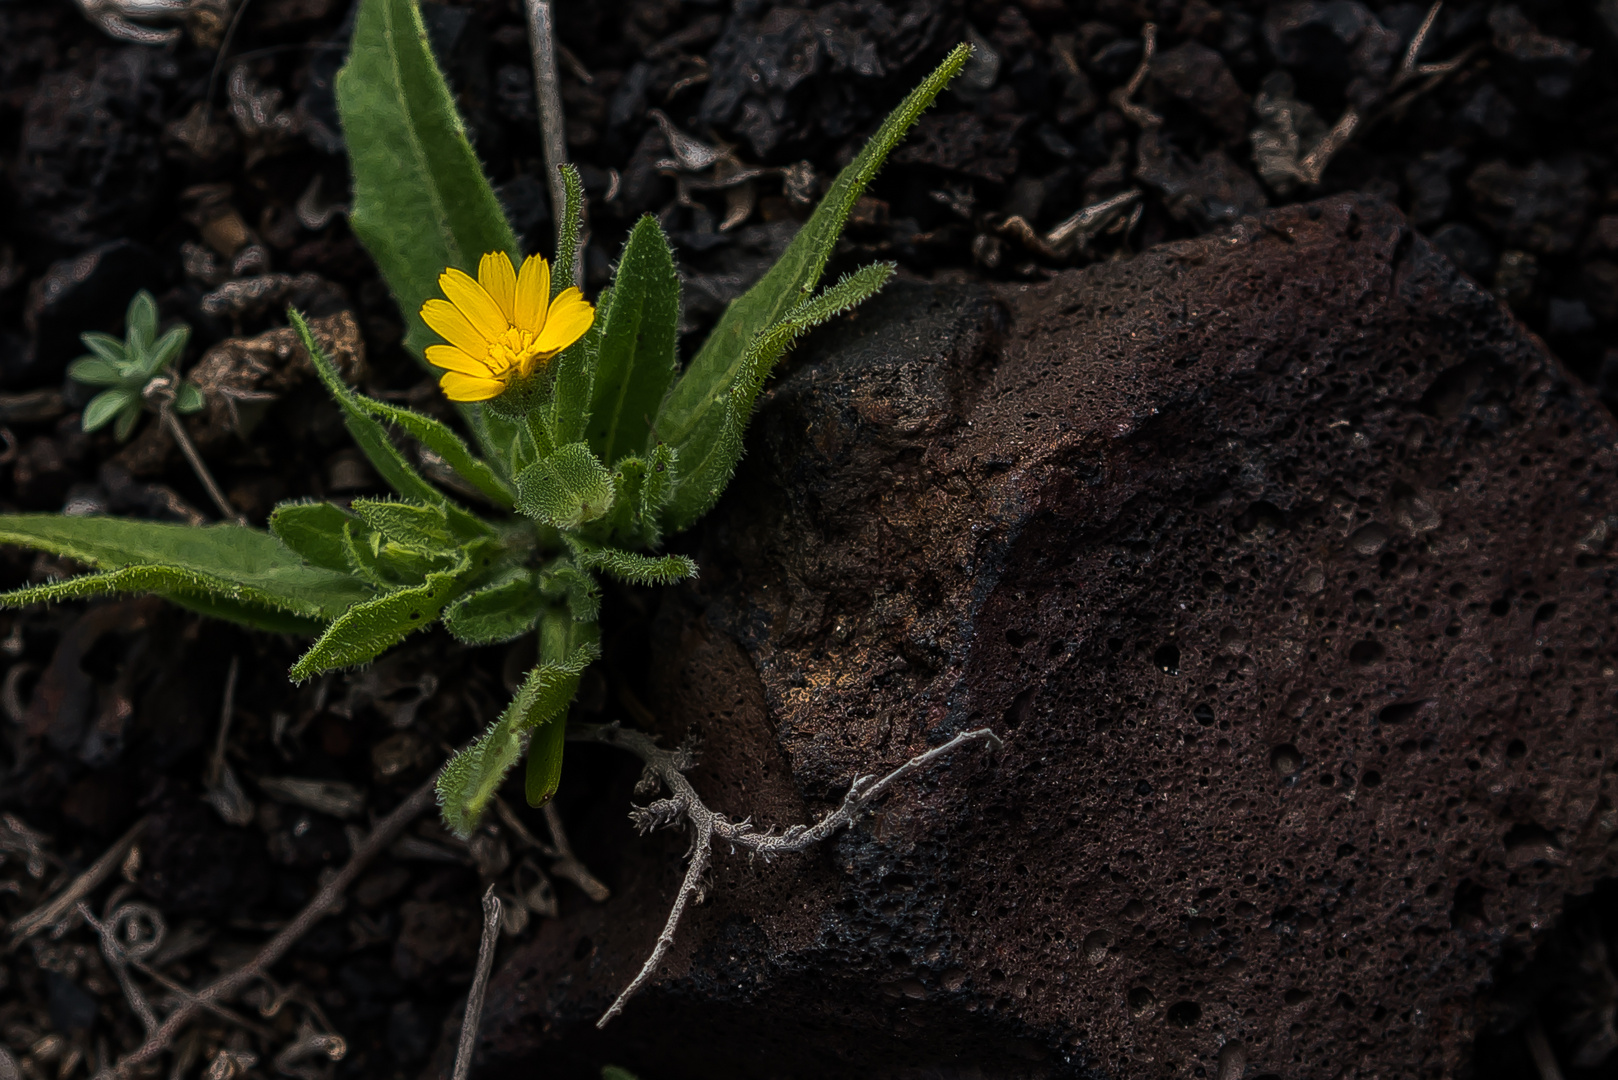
130 370
594 444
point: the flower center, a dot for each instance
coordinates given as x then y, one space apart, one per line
514 351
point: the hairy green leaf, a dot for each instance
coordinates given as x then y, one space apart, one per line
421 202
227 561
166 351
140 321
564 581
639 331
373 439
373 626
447 445
565 489
412 524
469 781
314 530
630 567
706 468
498 612
695 413
182 587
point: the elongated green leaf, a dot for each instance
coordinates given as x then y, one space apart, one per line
226 561
369 434
167 350
421 202
182 587
637 356
630 567
569 226
706 466
502 611
694 411
108 404
565 489
446 444
105 346
472 776
140 321
373 626
314 530
95 371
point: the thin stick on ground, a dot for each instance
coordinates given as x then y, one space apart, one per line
552 126
480 983
668 768
189 449
567 864
60 907
325 901
1122 97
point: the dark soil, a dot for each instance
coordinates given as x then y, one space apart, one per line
212 173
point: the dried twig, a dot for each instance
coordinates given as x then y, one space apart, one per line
1539 1049
166 414
567 864
324 902
222 790
480 983
55 910
1122 96
552 125
668 767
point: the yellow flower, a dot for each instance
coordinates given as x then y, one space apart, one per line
499 327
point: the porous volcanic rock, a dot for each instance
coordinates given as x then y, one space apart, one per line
1281 560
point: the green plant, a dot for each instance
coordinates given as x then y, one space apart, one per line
588 456
129 368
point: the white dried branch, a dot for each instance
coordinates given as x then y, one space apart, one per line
480 984
667 768
1124 95
64 904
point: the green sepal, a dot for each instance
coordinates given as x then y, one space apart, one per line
502 611
637 357
472 776
230 563
372 627
565 489
314 530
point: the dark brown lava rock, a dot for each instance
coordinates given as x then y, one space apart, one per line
1282 561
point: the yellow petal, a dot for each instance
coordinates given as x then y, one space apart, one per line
450 358
569 317
499 280
533 293
475 303
459 387
447 322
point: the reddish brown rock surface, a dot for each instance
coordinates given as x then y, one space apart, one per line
1282 560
